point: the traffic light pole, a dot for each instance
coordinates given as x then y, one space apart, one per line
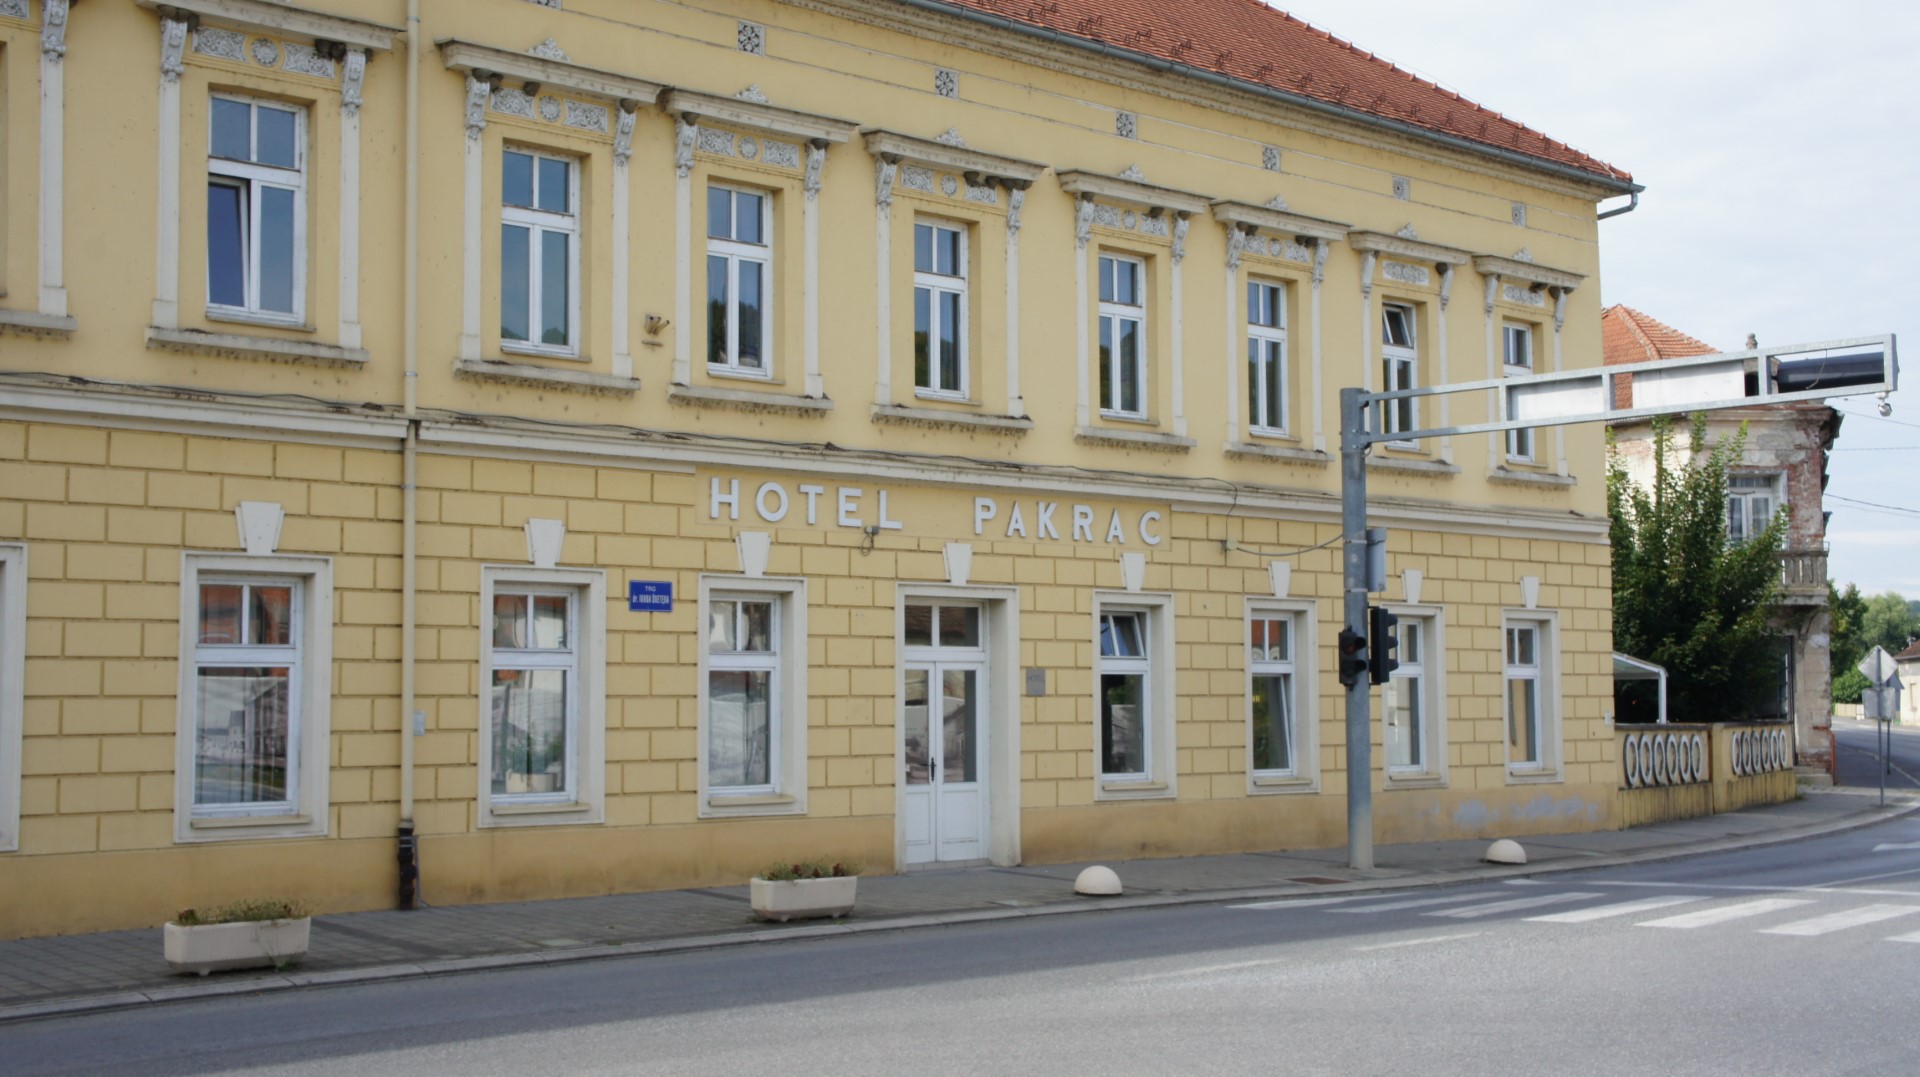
1353 529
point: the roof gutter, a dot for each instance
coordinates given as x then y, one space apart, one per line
1366 119
1618 210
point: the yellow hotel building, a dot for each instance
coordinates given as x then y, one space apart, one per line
503 449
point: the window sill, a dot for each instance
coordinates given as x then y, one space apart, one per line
1250 451
1533 776
1422 780
1121 789
1530 478
531 352
247 346
567 808
957 420
214 828
33 323
1267 786
1412 467
1132 439
748 400
529 374
221 822
731 806
241 317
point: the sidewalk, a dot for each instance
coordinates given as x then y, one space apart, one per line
79 973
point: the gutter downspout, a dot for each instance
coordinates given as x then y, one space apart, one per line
408 851
1628 208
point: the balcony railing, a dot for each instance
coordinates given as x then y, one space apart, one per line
1803 573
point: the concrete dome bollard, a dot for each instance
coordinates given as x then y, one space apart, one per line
1097 881
1505 851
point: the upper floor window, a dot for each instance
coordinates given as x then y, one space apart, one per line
940 310
1267 356
1751 502
256 209
1516 356
739 280
539 252
1399 357
1123 337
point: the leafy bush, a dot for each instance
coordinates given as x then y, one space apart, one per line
1848 686
810 869
244 911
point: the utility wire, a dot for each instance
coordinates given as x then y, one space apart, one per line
1897 509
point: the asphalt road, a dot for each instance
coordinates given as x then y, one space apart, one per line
1859 757
1799 958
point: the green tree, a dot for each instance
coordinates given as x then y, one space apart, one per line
1889 623
1683 597
1847 642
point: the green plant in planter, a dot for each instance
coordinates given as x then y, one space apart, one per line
239 912
811 869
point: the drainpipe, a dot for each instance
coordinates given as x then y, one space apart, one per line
1628 208
408 851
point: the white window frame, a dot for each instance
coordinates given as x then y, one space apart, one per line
537 222
1545 673
937 284
735 252
1400 369
1430 672
1118 312
250 177
1266 337
306 813
584 802
786 793
13 667
1775 491
1517 360
1304 775
1159 778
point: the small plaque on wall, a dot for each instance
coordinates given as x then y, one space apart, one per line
1036 682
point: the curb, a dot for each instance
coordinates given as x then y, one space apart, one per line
123 1000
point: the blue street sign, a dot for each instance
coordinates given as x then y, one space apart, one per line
650 596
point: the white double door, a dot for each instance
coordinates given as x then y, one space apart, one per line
944 730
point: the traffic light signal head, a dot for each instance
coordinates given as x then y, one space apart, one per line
1353 657
1383 641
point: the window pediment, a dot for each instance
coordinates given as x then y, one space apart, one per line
1400 246
978 168
280 18
484 60
1278 222
734 112
1131 192
1514 269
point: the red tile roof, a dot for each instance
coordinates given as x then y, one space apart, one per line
1250 42
1628 336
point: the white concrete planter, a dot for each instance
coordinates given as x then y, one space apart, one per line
803 899
205 948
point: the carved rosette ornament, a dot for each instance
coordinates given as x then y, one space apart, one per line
53 29
173 47
685 133
477 93
816 167
353 77
623 122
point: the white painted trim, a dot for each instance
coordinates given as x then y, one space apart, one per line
1320 251
1559 432
590 721
1433 669
683 266
1552 733
1496 447
470 246
349 333
1234 362
1001 614
1304 618
53 97
310 810
815 381
791 782
883 286
1176 359
622 251
1440 363
1082 360
1163 772
1016 403
13 651
275 15
166 245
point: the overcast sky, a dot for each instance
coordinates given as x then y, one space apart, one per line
1780 147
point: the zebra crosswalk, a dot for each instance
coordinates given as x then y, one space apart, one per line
1808 915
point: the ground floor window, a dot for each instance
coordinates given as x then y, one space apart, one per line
753 696
13 632
1414 700
1133 694
1531 698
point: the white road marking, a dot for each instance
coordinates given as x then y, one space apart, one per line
1411 903
1709 917
1911 936
1889 846
1297 903
1624 908
1840 921
1827 888
1421 942
1510 905
1208 970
